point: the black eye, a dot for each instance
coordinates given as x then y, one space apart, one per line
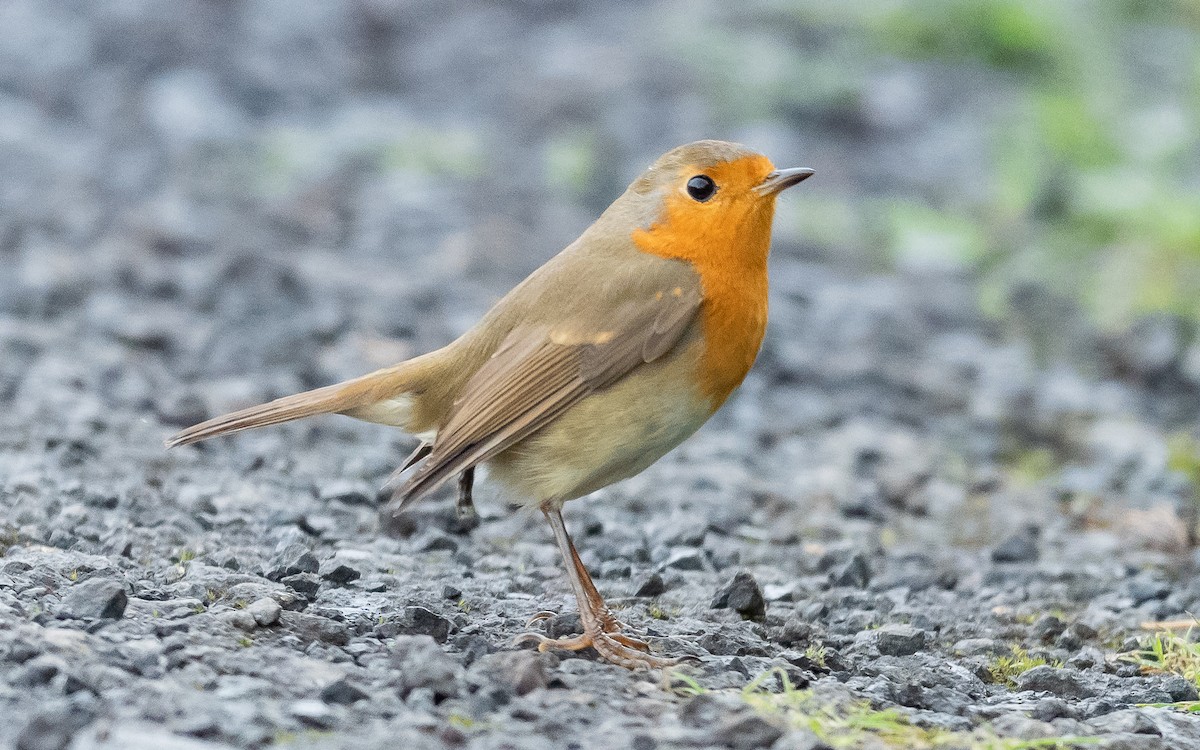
701 187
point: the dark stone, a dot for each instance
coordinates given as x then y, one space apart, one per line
517 672
341 574
796 629
421 663
747 733
421 621
343 693
439 542
305 584
652 586
707 709
562 626
452 593
1087 657
899 640
292 560
1048 709
347 494
95 598
1063 682
1068 641
1129 721
1180 688
1046 628
1020 547
863 501
643 742
684 559
54 728
1145 588
1083 631
800 739
313 628
853 572
313 714
742 595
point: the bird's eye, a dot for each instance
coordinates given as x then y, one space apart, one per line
701 187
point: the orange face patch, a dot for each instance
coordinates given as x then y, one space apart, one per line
726 238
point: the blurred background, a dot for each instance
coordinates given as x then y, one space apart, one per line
1052 143
205 203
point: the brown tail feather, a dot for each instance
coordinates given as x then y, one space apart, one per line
310 403
354 397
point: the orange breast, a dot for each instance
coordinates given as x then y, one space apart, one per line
728 247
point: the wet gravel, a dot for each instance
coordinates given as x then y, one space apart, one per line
193 219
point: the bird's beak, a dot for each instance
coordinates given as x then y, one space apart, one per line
782 179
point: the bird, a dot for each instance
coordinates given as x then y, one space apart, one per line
600 362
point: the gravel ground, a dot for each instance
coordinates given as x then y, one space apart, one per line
903 496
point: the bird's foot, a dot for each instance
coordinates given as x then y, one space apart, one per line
616 648
612 645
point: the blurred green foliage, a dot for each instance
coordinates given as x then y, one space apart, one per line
1089 179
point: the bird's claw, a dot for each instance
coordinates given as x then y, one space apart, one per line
616 648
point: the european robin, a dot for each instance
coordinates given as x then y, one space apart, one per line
593 367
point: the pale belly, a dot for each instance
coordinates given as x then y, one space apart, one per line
611 435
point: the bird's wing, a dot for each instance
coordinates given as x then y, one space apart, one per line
540 371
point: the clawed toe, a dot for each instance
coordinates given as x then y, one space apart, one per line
630 642
624 650
545 643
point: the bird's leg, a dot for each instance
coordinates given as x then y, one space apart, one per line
465 506
600 628
609 622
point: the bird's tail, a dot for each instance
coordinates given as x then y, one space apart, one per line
383 396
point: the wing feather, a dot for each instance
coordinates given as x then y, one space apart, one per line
539 372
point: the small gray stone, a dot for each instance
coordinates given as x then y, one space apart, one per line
421 621
265 611
292 560
305 584
899 640
652 586
1088 656
313 713
979 647
743 595
421 663
1063 682
95 598
1020 547
800 739
518 672
1129 721
53 728
240 619
1048 709
1180 688
747 733
341 574
683 559
707 709
343 692
1023 727
854 572
643 742
313 628
1046 628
